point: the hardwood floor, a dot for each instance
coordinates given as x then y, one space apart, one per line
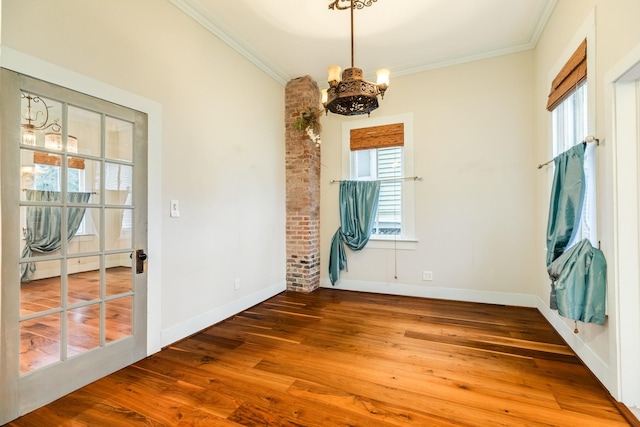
338 358
40 337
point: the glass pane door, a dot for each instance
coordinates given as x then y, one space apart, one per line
79 218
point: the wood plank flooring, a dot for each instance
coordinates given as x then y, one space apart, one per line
40 337
338 358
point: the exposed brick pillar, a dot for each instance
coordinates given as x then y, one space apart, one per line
303 190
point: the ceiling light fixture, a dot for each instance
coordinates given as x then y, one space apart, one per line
36 119
351 95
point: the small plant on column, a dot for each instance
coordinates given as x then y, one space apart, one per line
309 121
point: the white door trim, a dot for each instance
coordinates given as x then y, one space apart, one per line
37 68
622 84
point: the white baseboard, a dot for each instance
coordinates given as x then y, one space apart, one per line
598 367
468 295
198 323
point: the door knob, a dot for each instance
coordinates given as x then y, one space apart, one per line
140 258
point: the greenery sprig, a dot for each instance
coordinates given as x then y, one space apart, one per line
309 117
309 121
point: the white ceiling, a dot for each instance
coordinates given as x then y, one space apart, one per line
293 38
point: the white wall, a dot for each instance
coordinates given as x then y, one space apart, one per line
473 143
222 147
616 33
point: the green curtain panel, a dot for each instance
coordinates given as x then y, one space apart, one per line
358 206
580 280
567 196
44 225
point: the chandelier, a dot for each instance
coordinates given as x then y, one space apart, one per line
348 94
36 119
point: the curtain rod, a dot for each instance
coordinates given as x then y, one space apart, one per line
405 178
587 140
92 192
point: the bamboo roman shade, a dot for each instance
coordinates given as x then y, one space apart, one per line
56 160
377 137
572 74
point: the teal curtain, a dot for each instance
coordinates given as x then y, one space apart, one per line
578 274
567 196
43 233
358 207
580 278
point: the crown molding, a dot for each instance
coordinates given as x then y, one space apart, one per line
542 22
457 60
192 9
528 45
195 12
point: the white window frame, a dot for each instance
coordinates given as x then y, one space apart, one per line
406 240
564 139
375 172
587 32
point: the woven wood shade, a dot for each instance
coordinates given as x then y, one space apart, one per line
377 137
572 74
54 160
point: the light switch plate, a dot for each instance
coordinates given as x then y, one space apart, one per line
175 210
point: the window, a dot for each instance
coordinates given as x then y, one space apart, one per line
382 149
569 106
119 179
49 178
383 164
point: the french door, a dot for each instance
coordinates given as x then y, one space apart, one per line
73 186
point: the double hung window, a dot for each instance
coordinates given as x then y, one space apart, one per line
569 107
384 164
382 150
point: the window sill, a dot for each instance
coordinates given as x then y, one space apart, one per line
401 243
77 238
83 237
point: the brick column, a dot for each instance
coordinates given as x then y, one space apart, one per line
302 164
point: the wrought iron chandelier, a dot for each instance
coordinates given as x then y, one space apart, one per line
36 119
351 95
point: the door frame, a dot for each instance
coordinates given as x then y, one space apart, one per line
37 68
622 84
51 73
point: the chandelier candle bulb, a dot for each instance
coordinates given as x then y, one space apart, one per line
325 96
382 76
334 74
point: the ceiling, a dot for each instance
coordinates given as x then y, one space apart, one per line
293 38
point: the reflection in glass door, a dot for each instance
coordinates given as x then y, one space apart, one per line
81 219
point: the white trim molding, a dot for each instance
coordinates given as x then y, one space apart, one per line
453 294
595 364
622 85
203 321
195 12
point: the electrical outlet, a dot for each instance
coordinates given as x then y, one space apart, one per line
236 284
427 275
